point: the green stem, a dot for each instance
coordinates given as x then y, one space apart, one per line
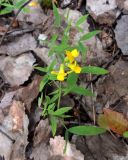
62 121
60 91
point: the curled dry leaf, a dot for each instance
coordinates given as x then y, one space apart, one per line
113 120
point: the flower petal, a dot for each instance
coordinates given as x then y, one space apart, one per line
77 69
69 56
33 4
75 53
61 74
60 77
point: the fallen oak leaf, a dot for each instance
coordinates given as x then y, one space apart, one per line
116 121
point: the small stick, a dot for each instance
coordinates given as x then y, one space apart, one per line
13 141
19 32
93 107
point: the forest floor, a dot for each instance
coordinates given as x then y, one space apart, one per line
24 133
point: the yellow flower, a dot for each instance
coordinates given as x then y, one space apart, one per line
33 4
71 55
61 74
75 67
75 53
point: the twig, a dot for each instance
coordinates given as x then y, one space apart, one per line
93 107
13 141
1 41
19 32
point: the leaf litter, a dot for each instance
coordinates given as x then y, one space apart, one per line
20 123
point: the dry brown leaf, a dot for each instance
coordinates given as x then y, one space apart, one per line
29 93
116 121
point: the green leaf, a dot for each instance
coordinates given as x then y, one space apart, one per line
81 91
52 77
6 11
67 30
65 40
79 29
51 107
125 134
40 100
94 70
44 112
18 4
51 52
43 83
83 50
47 99
53 124
60 111
89 35
81 20
51 66
54 98
54 38
60 48
56 15
54 92
8 5
86 130
66 90
72 79
41 69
